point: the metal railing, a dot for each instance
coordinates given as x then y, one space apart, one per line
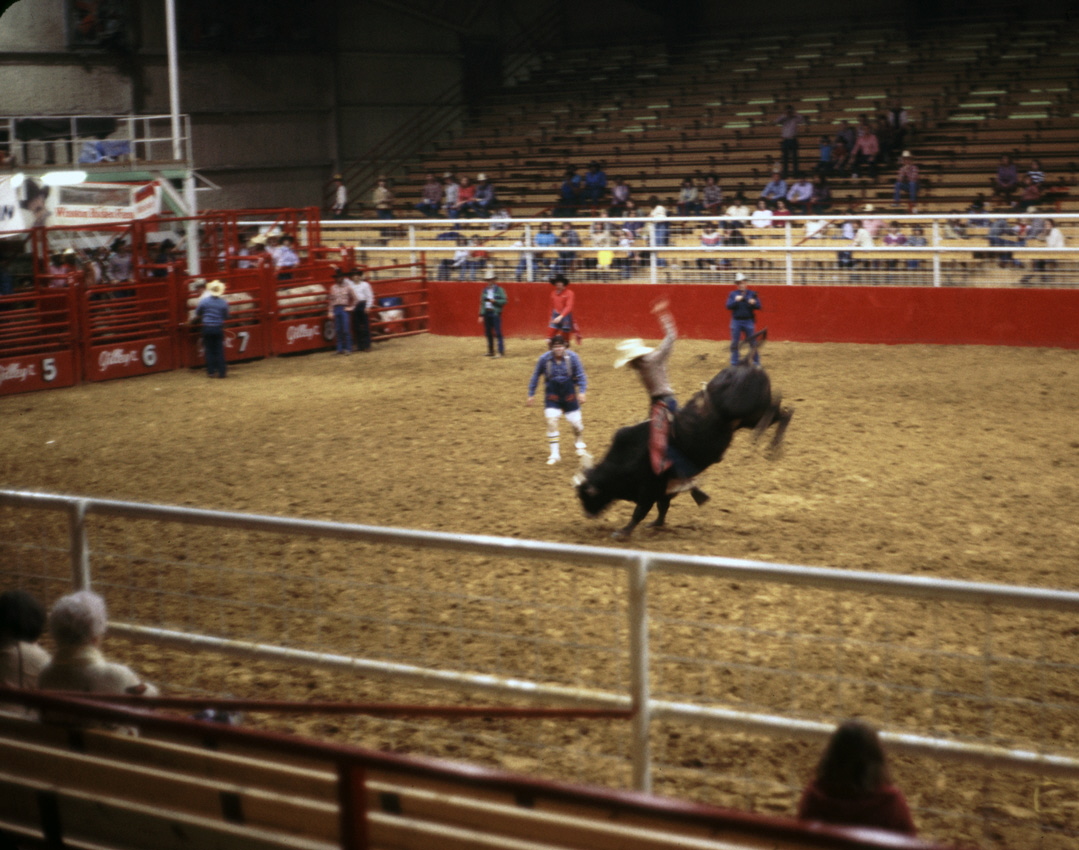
800 250
641 569
42 141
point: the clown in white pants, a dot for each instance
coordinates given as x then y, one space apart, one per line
565 386
573 417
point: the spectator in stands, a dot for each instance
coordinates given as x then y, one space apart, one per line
775 189
711 196
483 197
862 237
866 152
1030 193
873 225
781 214
999 230
1035 173
462 259
451 193
340 302
1054 239
595 184
632 224
500 217
737 213
22 620
430 197
976 212
736 238
852 786
660 227
545 238
599 234
906 180
790 122
77 624
466 192
711 239
382 198
799 195
1006 180
365 299
568 194
917 240
689 198
621 197
762 216
824 157
492 302
211 314
567 260
822 195
339 208
894 235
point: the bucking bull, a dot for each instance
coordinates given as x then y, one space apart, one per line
738 397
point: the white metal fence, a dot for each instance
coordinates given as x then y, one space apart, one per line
711 652
999 250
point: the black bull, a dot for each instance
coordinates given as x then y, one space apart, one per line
738 397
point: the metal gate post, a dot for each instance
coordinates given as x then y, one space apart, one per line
639 669
79 547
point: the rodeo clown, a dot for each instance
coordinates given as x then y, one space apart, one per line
564 389
651 366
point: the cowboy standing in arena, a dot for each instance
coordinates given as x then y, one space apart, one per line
564 392
743 303
651 366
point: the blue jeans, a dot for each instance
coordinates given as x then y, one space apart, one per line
341 330
740 328
911 187
213 343
492 326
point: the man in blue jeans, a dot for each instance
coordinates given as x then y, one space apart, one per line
211 313
742 303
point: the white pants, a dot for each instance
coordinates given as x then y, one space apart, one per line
552 415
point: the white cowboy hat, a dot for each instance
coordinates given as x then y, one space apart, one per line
739 277
630 349
215 287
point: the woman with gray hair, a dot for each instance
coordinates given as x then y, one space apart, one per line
77 623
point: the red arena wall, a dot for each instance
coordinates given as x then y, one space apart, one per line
866 314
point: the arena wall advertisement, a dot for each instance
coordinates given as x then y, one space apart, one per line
27 202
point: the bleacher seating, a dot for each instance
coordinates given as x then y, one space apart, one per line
974 89
192 785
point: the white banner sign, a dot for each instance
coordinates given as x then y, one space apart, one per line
33 204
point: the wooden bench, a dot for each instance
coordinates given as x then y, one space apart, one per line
95 790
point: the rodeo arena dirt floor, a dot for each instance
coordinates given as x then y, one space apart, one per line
932 461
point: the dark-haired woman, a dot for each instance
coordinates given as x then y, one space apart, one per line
852 786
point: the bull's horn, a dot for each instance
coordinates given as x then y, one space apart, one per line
586 461
578 479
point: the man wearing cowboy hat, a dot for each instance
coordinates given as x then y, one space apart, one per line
212 312
651 366
565 384
340 197
743 303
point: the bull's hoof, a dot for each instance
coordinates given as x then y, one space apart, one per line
699 496
621 534
658 524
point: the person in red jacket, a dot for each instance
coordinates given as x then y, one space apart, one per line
852 786
562 321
